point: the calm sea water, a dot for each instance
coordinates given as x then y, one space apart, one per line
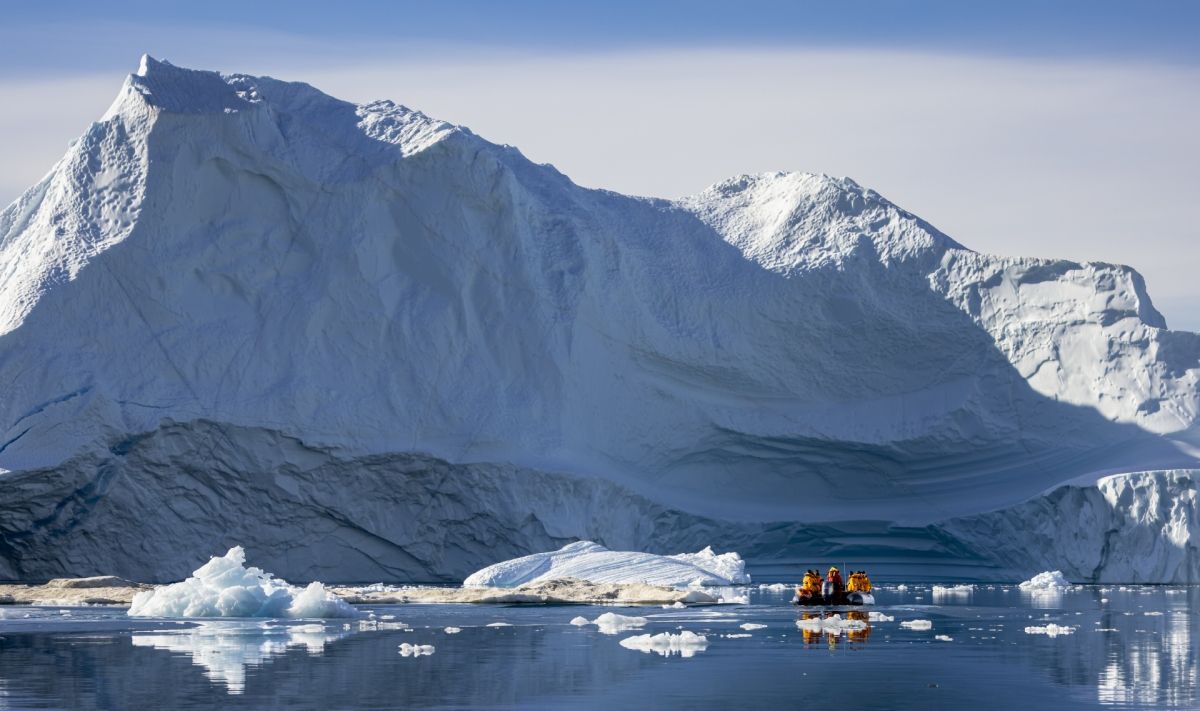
1131 647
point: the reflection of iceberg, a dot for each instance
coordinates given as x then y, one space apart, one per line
225 651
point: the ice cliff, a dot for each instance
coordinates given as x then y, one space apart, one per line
369 344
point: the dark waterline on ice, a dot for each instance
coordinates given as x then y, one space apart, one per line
1136 650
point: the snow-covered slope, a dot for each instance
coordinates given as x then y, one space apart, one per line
242 311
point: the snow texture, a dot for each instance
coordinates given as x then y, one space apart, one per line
585 560
787 363
685 644
224 587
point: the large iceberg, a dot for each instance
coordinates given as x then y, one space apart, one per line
225 587
585 560
380 347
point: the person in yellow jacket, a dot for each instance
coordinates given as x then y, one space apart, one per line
852 585
864 583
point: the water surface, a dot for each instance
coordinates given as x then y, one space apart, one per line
1130 647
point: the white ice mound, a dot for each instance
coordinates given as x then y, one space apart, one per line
685 644
1049 580
594 563
612 623
917 625
224 587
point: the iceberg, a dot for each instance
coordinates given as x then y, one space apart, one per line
785 362
1049 581
612 623
592 562
224 587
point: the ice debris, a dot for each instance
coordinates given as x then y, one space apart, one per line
874 616
452 630
917 625
1050 630
592 562
1049 580
685 644
224 587
943 638
753 626
580 621
416 650
953 590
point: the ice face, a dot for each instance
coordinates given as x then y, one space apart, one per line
224 587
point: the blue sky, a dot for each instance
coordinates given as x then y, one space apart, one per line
1160 30
1055 129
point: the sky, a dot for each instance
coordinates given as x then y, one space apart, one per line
1058 129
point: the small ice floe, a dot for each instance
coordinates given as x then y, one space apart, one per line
592 562
1152 613
953 590
875 616
753 626
734 599
943 638
741 635
1051 580
612 623
224 587
452 630
498 624
416 650
686 644
580 621
917 625
676 606
834 624
901 588
775 587
1050 630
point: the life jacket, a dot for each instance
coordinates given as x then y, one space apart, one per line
865 583
853 584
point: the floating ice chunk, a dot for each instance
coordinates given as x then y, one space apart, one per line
953 590
685 644
585 560
753 626
1050 630
416 650
1049 580
901 588
498 624
612 623
676 606
874 616
734 599
775 587
224 587
917 625
943 638
737 636
452 630
834 624
581 620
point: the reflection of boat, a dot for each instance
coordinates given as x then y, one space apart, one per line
854 598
